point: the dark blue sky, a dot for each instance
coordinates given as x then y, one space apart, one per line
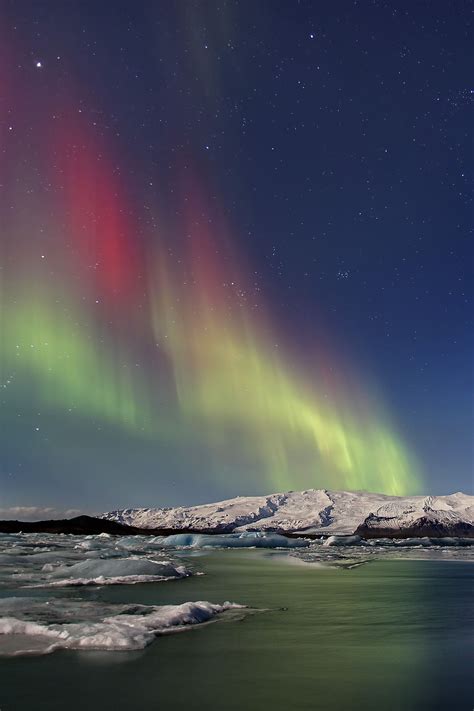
337 138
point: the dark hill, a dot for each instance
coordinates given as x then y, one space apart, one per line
80 526
86 526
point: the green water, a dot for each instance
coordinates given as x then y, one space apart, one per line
391 635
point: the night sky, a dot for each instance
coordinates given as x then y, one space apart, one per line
235 249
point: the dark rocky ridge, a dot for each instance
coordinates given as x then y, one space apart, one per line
370 528
80 526
375 527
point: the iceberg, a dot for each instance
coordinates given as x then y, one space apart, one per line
343 541
231 540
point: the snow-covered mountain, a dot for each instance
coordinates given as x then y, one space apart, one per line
316 511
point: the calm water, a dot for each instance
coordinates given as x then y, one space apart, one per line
389 635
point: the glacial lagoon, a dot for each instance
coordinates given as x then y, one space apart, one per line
130 623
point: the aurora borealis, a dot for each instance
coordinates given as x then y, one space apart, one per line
141 343
215 375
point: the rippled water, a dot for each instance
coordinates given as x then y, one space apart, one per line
377 626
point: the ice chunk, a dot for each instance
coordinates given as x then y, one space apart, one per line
343 541
117 632
116 571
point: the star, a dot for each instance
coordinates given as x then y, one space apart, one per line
39 64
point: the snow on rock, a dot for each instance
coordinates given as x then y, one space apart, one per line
314 511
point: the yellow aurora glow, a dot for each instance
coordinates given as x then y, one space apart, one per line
165 343
237 390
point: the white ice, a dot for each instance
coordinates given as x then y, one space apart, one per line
116 632
115 571
232 540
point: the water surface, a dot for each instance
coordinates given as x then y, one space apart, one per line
391 634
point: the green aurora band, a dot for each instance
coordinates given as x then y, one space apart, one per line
209 374
235 388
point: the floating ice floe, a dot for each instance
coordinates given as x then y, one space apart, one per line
124 631
115 571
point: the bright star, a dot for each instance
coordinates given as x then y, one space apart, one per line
39 65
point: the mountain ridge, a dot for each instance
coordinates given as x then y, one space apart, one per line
315 511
